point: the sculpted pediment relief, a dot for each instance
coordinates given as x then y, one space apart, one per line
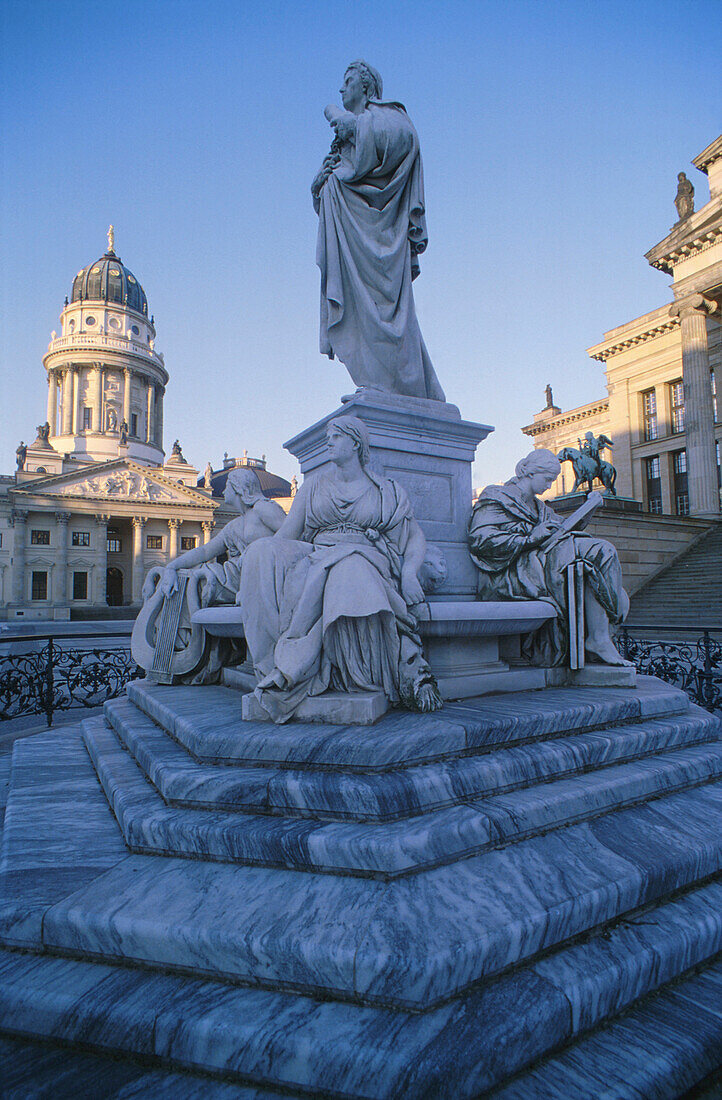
121 482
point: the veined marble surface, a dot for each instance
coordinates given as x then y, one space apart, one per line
658 1051
59 833
460 1049
387 795
380 849
412 942
207 722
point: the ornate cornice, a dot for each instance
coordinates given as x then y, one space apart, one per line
552 424
694 247
639 338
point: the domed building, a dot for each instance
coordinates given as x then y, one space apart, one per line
94 503
104 374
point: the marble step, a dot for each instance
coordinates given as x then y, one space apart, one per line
386 849
30 1069
658 1050
414 942
389 795
207 722
462 1049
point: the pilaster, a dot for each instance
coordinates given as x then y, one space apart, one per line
18 520
207 526
126 395
699 411
60 587
138 572
173 526
101 526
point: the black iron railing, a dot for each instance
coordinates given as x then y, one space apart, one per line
694 665
53 677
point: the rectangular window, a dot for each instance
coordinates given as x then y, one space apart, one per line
39 589
1 534
87 419
681 495
654 485
80 586
649 413
114 545
188 542
713 383
676 401
80 538
133 423
154 542
40 538
719 475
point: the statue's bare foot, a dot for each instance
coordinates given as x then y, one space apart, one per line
606 653
360 392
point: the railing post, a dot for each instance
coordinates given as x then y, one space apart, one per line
49 684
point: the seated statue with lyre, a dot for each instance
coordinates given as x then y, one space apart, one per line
165 642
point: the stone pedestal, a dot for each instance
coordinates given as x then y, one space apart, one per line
429 450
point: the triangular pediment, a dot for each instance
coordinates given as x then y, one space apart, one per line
121 480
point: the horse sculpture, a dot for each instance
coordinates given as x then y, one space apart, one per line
586 469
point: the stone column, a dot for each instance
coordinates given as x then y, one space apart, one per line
667 479
99 387
207 526
173 525
101 554
698 408
139 523
150 427
159 416
18 520
126 397
60 587
76 401
67 425
52 401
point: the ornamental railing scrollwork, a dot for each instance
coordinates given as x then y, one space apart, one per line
695 666
62 677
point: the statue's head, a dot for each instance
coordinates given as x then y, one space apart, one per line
541 467
357 431
681 176
368 77
243 482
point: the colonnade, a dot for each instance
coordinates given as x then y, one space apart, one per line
64 400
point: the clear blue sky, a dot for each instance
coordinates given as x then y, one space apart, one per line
551 133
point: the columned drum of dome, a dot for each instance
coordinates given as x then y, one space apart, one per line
106 381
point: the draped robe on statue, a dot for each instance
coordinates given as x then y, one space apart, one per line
502 529
327 612
371 228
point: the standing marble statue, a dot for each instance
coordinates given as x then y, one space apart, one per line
328 602
684 199
369 196
516 542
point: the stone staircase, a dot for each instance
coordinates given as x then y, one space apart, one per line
687 593
519 896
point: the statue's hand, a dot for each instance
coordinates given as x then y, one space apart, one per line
345 129
411 588
169 581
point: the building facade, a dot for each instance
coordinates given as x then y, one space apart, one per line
94 503
663 373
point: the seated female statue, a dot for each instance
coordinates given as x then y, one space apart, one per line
219 581
196 658
519 556
327 603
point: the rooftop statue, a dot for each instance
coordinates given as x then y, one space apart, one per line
588 463
328 602
522 550
684 199
369 196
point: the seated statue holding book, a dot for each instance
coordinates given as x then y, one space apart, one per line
523 549
209 575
